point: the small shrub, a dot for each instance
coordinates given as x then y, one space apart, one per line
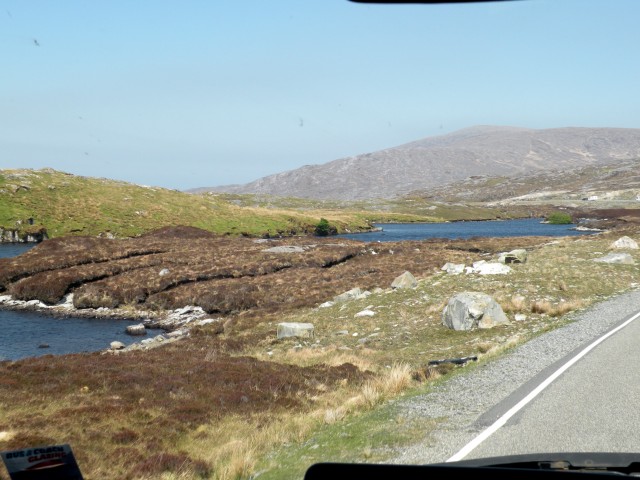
559 218
324 228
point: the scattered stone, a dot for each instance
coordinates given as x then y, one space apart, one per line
342 332
406 280
285 249
618 258
163 272
326 304
514 256
206 321
488 268
453 268
136 329
470 310
520 317
368 338
188 309
36 304
294 329
67 302
624 243
581 228
117 345
181 317
352 294
365 313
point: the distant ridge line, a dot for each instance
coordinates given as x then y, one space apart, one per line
444 159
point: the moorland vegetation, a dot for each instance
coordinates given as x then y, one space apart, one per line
232 399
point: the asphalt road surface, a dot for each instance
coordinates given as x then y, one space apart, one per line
592 406
576 389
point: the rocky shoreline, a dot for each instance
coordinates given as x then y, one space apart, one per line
175 323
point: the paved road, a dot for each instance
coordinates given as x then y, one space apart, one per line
591 406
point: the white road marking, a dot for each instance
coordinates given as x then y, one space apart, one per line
469 447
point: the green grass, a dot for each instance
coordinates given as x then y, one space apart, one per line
65 204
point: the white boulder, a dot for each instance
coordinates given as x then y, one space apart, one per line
624 243
489 268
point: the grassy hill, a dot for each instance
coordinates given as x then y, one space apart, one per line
65 204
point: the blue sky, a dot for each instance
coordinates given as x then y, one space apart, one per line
183 94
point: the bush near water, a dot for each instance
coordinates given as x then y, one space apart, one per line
559 218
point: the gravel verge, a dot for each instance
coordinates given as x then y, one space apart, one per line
468 403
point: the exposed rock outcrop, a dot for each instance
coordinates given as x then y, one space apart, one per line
406 280
21 236
619 258
453 268
293 329
470 310
488 268
353 294
514 256
624 243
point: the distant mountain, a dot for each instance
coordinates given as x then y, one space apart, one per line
618 181
440 160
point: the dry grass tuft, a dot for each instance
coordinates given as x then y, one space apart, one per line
541 306
557 309
516 304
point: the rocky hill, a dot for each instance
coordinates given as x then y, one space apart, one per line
440 160
617 182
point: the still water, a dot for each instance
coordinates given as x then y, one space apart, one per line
393 232
22 333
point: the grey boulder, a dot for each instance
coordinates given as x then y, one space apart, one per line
471 310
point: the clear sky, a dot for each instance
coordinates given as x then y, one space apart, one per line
188 93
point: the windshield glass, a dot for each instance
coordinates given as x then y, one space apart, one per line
207 171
